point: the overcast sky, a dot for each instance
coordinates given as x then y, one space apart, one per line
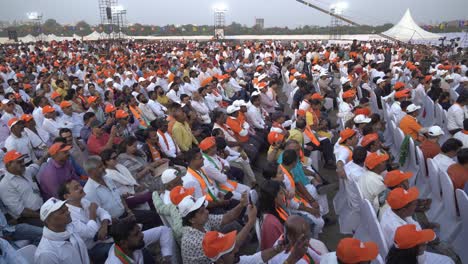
276 12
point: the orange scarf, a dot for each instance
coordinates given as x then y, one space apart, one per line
155 155
137 114
310 134
202 183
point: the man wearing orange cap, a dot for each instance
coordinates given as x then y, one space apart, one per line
344 149
371 183
420 92
95 107
52 123
19 141
346 106
39 138
402 204
10 109
71 117
352 250
410 245
19 191
372 143
218 169
410 125
395 109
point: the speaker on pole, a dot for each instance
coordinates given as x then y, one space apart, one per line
109 13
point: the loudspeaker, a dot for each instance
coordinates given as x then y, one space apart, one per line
109 13
12 34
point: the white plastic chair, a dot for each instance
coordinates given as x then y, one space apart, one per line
434 183
373 103
422 181
369 229
438 115
315 157
428 120
411 162
27 253
339 201
350 217
453 95
459 244
449 223
319 246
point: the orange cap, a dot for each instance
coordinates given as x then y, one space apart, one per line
348 94
19 75
301 112
54 95
47 109
395 177
13 121
65 104
347 133
216 244
26 117
407 236
398 85
206 81
121 114
316 96
27 86
351 250
100 81
207 143
179 192
58 147
92 99
402 93
374 159
11 156
362 111
399 197
428 78
109 108
274 137
369 138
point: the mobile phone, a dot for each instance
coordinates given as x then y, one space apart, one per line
228 196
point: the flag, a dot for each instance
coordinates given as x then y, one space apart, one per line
441 25
194 29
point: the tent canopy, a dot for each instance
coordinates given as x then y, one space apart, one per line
406 29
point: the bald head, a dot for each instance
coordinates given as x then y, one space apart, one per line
296 226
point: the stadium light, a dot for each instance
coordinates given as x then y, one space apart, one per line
340 7
118 9
220 7
32 15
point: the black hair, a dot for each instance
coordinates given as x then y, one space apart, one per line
60 140
266 200
216 132
301 123
63 189
36 100
106 154
367 129
64 130
452 144
270 170
217 114
289 157
191 153
359 155
88 115
125 143
402 256
122 229
405 104
183 96
462 156
220 143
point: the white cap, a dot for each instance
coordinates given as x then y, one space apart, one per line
323 73
432 70
261 77
255 93
169 175
239 103
361 119
256 74
435 131
50 206
128 73
141 79
232 108
188 205
344 80
5 101
442 72
448 77
151 78
380 80
108 80
297 74
412 107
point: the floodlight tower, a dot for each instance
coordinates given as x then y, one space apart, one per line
107 18
336 24
119 13
36 20
219 20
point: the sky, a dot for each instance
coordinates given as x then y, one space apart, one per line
275 12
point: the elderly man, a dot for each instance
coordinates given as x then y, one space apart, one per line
102 190
448 153
181 131
19 141
70 117
57 170
457 113
371 183
18 189
89 221
59 245
100 140
52 123
96 108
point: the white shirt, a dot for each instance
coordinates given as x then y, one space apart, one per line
390 222
39 140
397 112
462 137
212 101
418 95
455 116
162 234
75 121
170 149
38 116
106 197
174 96
345 111
190 181
20 192
371 186
443 161
85 227
202 110
22 145
342 153
255 117
52 126
157 108
147 111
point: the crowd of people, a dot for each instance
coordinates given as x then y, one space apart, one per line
197 152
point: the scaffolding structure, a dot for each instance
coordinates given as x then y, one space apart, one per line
36 20
336 24
113 19
219 22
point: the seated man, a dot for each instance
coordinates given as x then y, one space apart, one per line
458 172
100 140
89 221
344 150
57 170
463 134
58 245
19 191
371 183
410 125
130 242
218 169
351 250
430 147
444 159
103 191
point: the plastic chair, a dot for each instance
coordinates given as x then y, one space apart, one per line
434 183
28 253
438 115
369 228
459 244
428 120
410 163
449 223
319 246
350 217
422 181
339 201
373 103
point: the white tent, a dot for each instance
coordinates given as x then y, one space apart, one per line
28 38
407 30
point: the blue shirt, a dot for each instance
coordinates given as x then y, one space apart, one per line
9 255
298 171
